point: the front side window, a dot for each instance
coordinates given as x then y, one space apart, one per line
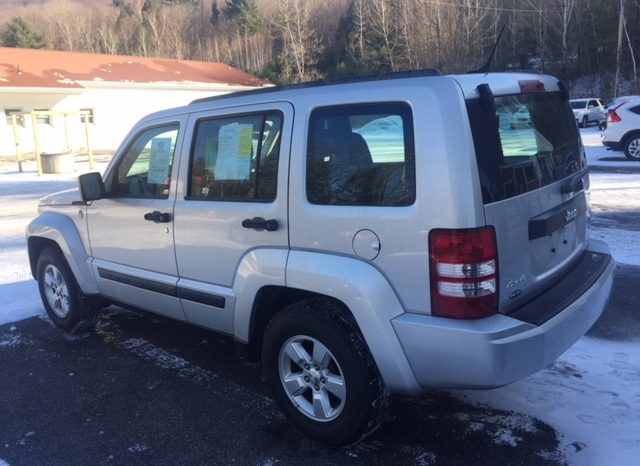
361 155
236 158
529 142
145 169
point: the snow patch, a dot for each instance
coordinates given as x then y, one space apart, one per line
506 426
138 448
426 458
590 395
269 462
624 244
8 340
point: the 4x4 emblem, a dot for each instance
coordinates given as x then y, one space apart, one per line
571 215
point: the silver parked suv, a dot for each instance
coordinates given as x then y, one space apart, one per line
344 234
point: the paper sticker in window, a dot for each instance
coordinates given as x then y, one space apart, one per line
160 161
233 161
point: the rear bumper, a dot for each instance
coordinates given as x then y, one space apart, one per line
497 350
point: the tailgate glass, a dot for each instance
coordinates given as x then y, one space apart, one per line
529 142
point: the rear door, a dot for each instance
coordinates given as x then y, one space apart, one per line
533 178
233 201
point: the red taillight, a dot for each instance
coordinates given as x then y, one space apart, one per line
613 117
464 272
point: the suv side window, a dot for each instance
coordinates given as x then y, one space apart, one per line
361 155
635 109
145 169
236 158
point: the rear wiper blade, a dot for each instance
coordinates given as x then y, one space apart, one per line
574 183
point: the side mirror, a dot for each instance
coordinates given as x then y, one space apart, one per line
91 186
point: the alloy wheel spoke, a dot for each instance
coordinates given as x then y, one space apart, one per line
295 384
321 405
321 355
335 385
297 354
48 278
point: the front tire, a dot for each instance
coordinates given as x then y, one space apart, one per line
63 300
321 373
632 147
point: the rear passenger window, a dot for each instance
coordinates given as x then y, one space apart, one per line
635 109
361 155
236 158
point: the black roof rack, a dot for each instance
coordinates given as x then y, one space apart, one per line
328 82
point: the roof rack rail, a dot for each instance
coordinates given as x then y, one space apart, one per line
328 82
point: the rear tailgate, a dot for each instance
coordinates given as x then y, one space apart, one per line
533 174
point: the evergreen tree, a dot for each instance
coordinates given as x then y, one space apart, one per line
20 33
244 13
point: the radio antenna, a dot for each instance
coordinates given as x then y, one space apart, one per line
487 66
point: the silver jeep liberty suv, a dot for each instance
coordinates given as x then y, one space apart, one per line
362 237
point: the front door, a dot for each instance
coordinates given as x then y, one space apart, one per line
233 205
131 231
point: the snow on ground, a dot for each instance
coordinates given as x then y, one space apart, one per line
590 395
614 195
19 194
600 156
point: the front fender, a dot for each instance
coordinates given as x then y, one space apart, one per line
61 229
371 300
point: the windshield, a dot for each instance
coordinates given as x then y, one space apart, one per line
529 142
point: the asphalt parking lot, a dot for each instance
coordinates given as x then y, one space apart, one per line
145 390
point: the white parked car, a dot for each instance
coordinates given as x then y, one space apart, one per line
362 237
587 111
623 129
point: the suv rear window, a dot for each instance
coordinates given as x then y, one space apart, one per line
530 141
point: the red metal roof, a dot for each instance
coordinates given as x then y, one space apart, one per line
54 69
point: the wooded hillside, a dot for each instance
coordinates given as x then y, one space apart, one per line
297 40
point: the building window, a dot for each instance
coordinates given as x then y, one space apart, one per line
90 115
9 112
43 119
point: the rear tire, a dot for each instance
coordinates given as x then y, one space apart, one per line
632 147
321 373
63 300
585 121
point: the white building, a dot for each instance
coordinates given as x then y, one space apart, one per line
115 90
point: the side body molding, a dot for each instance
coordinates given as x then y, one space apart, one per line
61 229
372 301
